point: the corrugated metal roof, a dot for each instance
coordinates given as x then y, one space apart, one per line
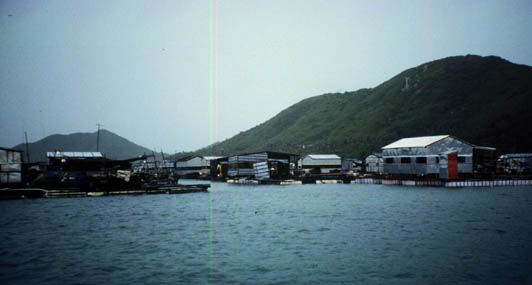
485 148
74 154
323 156
415 142
212 157
10 149
516 155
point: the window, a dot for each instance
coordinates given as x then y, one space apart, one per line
421 160
389 160
461 159
405 159
437 160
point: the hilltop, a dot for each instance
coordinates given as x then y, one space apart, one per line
484 100
111 145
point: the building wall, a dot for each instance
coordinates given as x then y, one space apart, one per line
399 166
240 172
10 166
466 164
326 165
194 165
309 162
242 165
400 156
193 162
374 164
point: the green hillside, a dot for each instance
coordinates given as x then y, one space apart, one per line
484 100
111 145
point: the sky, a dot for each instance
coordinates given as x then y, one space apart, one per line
172 75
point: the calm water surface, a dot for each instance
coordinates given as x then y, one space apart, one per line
272 234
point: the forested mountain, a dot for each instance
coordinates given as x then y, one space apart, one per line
111 145
484 100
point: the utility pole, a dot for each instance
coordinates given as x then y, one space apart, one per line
98 137
162 155
27 147
154 158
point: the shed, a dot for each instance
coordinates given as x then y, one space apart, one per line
324 163
280 165
218 166
421 156
75 160
78 161
194 165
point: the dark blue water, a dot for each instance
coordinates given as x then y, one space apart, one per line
273 234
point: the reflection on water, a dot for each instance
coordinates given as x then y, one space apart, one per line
272 234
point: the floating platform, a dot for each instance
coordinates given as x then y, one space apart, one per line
71 193
263 182
382 181
21 193
448 184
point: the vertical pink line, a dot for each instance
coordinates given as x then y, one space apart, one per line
426 43
216 126
216 72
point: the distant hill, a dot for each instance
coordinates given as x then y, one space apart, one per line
111 145
484 100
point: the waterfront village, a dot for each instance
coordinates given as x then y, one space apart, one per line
444 161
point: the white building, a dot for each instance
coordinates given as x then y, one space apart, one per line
422 155
325 163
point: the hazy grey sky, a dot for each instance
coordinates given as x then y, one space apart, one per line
142 68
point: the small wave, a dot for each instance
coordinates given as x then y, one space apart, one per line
261 269
7 265
403 275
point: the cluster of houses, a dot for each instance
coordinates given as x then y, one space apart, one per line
438 157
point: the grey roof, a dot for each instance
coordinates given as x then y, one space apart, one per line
73 154
212 157
415 142
9 149
516 155
377 154
485 148
323 156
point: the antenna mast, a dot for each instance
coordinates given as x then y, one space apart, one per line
27 147
98 137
